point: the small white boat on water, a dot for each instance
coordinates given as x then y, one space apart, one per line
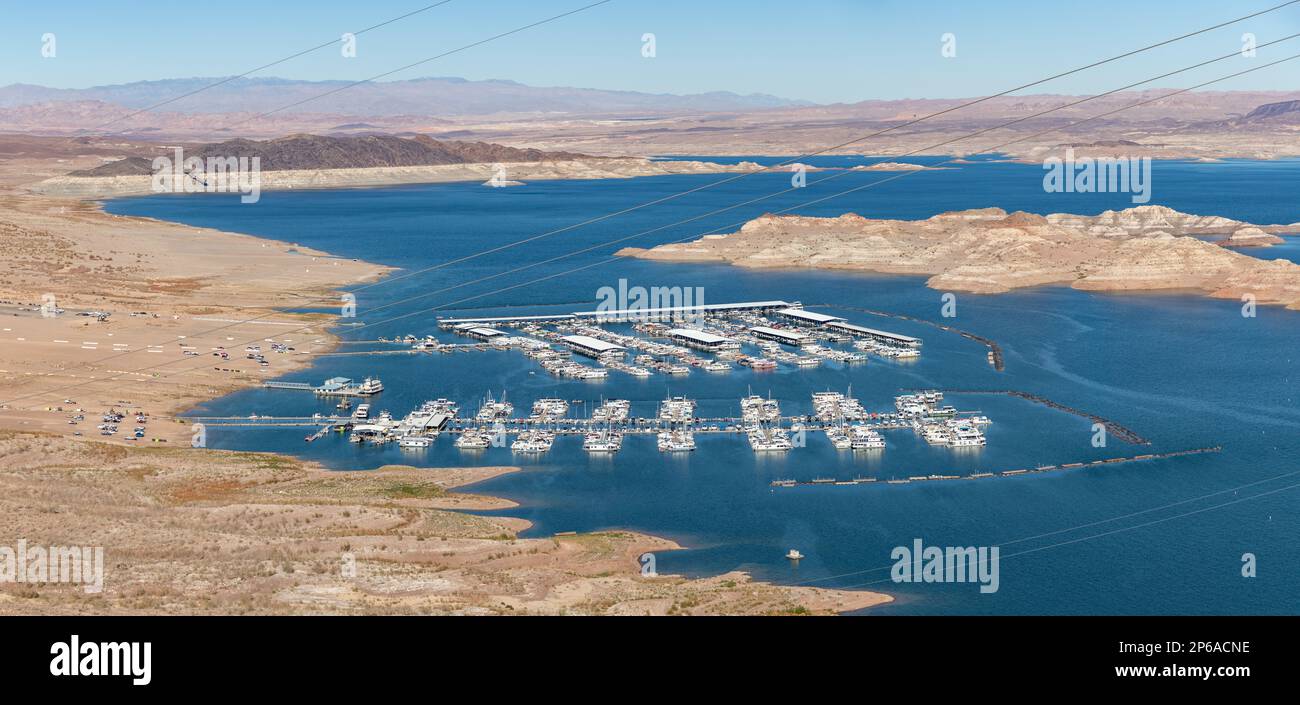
794 555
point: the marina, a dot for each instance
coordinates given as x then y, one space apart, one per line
843 419
1085 351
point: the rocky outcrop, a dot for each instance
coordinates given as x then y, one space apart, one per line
991 251
895 166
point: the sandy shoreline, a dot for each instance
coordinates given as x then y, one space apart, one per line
513 173
221 532
216 532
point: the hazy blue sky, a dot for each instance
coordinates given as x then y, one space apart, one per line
822 50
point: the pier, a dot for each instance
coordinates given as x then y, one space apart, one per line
333 387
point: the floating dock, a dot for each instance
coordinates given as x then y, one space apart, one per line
1002 473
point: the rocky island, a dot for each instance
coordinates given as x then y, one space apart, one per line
991 251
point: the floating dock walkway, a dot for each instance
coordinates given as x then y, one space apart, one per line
1001 473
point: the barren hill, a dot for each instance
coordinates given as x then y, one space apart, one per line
317 152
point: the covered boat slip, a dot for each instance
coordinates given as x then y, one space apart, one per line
811 317
792 312
659 312
700 340
880 336
591 347
788 337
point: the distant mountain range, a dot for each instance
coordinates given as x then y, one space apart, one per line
318 152
421 96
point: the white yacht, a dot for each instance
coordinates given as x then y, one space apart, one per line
362 413
674 441
533 442
769 439
440 406
935 434
493 410
839 437
473 440
756 409
612 410
603 441
677 409
965 435
370 385
415 442
863 438
550 409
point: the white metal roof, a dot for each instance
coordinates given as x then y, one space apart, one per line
591 343
698 336
700 308
872 331
811 316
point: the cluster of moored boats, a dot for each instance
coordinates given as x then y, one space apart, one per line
839 410
938 424
846 424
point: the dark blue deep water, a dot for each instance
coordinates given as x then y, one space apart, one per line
1145 537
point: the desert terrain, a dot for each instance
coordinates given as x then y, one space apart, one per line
988 251
213 532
